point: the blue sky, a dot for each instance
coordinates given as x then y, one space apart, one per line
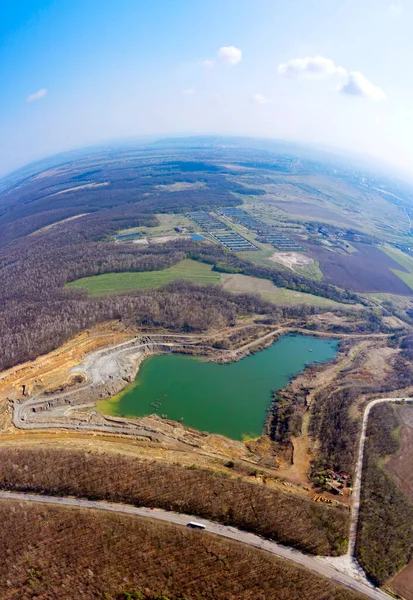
331 72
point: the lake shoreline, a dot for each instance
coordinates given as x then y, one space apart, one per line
167 395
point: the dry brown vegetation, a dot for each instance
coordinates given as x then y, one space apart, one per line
290 519
399 467
66 553
385 534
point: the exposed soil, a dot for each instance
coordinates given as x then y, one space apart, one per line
292 260
402 584
367 270
52 371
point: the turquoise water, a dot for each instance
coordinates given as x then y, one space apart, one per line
231 399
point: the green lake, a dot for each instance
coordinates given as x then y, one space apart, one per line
230 399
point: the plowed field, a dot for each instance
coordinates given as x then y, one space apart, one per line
367 270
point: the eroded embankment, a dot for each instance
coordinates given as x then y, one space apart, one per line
107 371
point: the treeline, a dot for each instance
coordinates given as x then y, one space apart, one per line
335 429
290 519
37 314
385 532
118 185
31 326
333 425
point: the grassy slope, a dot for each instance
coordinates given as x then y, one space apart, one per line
292 298
125 282
194 271
55 552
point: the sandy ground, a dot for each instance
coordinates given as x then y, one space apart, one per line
292 260
161 239
379 362
51 371
80 187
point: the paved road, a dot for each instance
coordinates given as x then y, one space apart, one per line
359 470
309 562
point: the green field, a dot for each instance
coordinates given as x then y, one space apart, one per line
191 270
292 298
400 257
406 277
110 283
405 261
166 225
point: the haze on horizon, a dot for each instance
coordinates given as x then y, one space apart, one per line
330 73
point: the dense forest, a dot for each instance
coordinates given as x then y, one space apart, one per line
54 552
334 425
37 314
385 536
291 519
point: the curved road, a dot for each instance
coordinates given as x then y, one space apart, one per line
309 562
103 365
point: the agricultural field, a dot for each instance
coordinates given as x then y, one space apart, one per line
55 552
337 201
268 291
165 226
110 283
405 261
367 270
200 273
305 211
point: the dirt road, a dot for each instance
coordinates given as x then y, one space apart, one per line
309 562
359 470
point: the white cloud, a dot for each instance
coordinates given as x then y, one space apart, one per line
353 83
260 99
36 96
396 9
208 63
314 67
358 85
189 91
230 55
